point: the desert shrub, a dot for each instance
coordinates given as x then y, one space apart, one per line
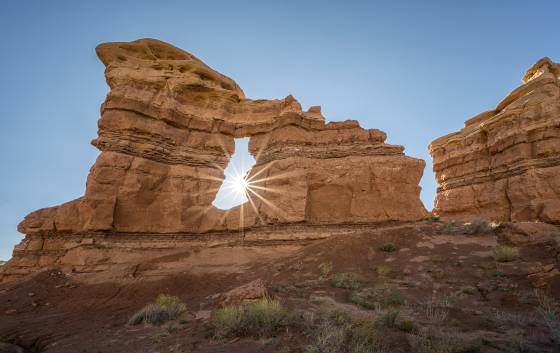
379 296
430 341
389 318
329 338
407 326
388 247
499 274
505 253
549 310
479 227
547 306
435 313
449 227
165 308
365 339
338 332
261 318
470 290
346 280
325 268
432 218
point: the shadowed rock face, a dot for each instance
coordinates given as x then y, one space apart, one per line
167 131
505 163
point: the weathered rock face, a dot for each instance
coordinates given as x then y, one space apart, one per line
167 131
504 164
538 245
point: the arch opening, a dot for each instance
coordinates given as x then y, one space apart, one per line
233 190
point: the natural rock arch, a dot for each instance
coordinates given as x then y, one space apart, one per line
166 132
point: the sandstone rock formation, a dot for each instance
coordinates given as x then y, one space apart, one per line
504 164
167 131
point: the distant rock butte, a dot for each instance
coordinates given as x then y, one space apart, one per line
167 130
504 164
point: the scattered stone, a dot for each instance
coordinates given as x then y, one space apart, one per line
248 292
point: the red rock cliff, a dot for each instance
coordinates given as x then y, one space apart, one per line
504 164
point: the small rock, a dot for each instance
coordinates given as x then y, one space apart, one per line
30 294
248 292
202 314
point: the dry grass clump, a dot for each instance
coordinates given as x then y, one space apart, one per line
389 318
326 269
448 227
377 297
435 313
338 332
346 280
384 270
476 227
505 253
549 310
438 341
480 227
261 318
166 307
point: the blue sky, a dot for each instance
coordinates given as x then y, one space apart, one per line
415 69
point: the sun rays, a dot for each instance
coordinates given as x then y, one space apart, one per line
248 195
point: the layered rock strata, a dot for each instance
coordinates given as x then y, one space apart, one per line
504 164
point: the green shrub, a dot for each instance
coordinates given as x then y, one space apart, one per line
261 318
388 247
346 280
499 274
377 297
165 308
504 253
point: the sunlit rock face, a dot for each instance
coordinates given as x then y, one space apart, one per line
505 163
167 131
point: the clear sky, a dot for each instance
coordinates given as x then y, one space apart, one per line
415 69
